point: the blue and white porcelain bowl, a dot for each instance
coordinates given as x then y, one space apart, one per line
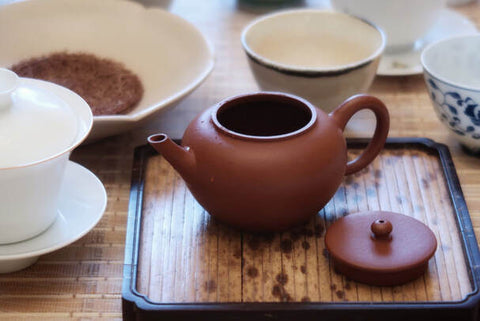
451 68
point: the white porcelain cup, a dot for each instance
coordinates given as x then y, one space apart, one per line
404 21
40 124
322 56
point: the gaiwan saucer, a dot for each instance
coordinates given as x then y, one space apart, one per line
82 203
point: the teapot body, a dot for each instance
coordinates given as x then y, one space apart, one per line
265 184
268 161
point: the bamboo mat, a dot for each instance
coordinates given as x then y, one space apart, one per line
185 256
83 281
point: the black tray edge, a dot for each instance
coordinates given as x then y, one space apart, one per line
136 306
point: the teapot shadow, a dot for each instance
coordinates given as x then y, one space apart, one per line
301 237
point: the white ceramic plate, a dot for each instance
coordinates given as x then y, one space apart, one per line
450 23
82 203
169 54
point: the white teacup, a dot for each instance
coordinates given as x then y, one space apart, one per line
404 21
40 124
322 56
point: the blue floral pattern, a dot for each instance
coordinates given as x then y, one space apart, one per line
453 108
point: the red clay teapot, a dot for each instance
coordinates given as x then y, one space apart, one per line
269 161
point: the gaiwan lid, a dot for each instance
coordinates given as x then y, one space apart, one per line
38 120
380 248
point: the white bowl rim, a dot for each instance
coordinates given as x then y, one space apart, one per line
136 116
312 71
45 85
429 70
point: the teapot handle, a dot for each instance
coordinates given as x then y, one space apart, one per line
342 114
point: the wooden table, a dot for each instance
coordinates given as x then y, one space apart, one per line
83 281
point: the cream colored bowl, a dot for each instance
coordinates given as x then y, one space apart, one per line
322 56
168 53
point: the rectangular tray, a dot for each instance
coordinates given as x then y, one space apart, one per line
181 264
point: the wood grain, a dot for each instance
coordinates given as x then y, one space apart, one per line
224 265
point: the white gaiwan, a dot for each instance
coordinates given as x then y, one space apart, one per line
40 124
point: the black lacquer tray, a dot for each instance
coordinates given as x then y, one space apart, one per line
181 265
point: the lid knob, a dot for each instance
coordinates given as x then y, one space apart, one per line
8 84
381 228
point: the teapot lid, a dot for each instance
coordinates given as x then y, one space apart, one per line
380 248
36 122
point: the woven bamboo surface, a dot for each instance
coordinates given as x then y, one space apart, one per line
185 256
83 280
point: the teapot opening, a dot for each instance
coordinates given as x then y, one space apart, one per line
265 115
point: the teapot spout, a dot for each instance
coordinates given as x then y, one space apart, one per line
181 158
